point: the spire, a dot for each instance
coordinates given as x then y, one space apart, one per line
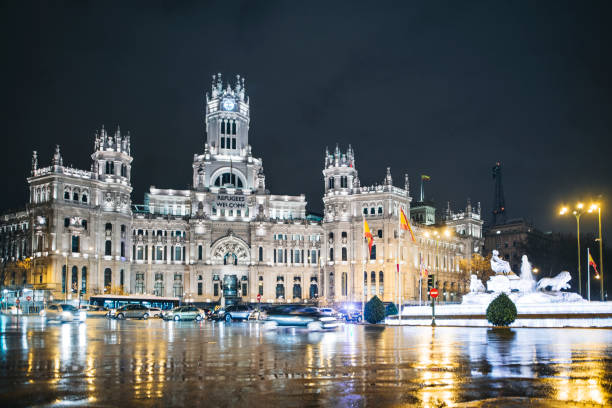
407 184
479 208
128 142
34 161
468 207
448 210
388 178
118 139
57 157
499 204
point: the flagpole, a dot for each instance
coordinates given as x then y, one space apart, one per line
364 266
397 260
588 275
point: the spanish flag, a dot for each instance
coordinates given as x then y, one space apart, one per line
405 224
368 235
593 264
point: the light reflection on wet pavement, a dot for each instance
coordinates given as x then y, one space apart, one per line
117 363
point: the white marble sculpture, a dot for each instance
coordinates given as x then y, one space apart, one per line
498 265
476 284
522 290
557 283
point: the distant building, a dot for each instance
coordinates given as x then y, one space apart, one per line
468 225
512 238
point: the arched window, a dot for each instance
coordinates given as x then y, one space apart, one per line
234 128
344 254
344 284
297 291
66 195
75 196
108 226
381 281
314 292
230 259
107 279
380 210
84 198
84 280
228 179
260 289
373 283
332 282
124 170
260 254
280 290
108 247
200 251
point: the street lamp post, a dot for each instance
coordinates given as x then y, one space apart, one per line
598 208
577 213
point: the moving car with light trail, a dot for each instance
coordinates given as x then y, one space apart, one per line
63 313
94 311
184 313
309 317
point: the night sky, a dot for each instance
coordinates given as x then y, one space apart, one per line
436 88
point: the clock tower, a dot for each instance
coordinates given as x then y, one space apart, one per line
227 118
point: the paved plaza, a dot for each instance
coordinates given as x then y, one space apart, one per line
111 363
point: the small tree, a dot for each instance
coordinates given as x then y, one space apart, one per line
391 309
501 311
374 310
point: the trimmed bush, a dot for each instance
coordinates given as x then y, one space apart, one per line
374 310
501 311
391 309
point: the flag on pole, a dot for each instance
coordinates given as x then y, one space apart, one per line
424 271
405 224
593 264
368 235
425 177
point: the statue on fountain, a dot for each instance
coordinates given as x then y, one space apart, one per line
498 265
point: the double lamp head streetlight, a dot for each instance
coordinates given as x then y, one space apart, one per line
577 212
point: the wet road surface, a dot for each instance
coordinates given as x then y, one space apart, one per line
155 363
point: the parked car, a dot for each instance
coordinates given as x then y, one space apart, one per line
184 313
94 310
133 311
155 312
309 317
63 312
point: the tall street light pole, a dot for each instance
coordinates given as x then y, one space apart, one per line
598 208
577 213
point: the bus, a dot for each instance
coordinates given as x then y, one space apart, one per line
116 301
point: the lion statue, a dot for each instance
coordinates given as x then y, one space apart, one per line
498 265
557 283
476 284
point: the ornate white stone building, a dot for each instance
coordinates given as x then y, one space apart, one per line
227 237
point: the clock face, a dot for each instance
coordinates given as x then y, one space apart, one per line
228 104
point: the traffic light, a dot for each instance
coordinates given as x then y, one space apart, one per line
431 281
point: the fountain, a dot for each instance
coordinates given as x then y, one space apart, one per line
523 289
539 304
